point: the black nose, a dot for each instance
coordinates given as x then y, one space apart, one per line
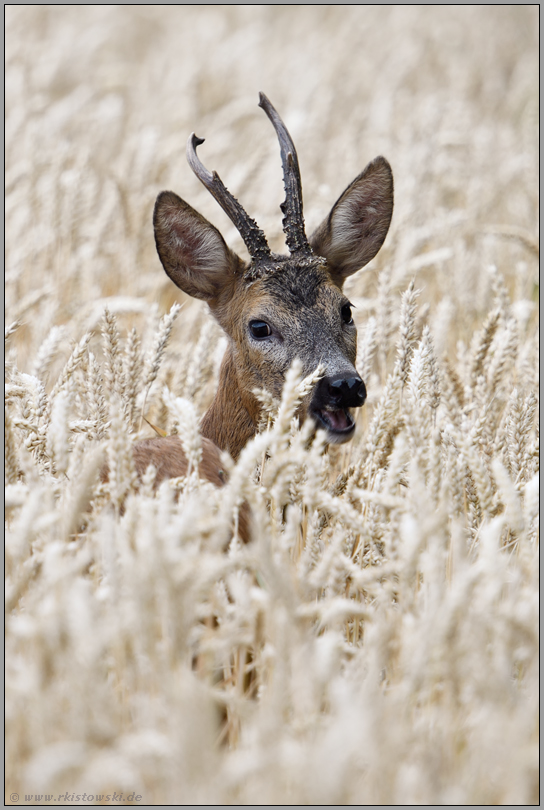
345 392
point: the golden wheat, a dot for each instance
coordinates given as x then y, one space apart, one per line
377 641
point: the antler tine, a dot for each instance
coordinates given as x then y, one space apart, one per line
293 221
253 236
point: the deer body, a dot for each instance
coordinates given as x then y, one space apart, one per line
274 308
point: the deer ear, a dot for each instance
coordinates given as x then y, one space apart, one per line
192 251
358 223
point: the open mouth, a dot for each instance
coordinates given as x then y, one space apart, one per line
338 422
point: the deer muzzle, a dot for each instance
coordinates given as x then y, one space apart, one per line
330 406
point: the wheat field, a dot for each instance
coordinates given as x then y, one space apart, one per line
377 640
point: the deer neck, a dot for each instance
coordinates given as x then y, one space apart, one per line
232 418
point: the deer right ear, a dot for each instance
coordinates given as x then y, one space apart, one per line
192 251
356 227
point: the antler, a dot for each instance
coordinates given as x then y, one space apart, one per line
253 236
293 221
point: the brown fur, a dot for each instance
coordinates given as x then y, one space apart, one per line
167 456
232 418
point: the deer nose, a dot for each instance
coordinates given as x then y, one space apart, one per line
347 392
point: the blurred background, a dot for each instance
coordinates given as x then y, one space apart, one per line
432 697
100 100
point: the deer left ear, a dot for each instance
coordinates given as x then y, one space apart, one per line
357 225
192 251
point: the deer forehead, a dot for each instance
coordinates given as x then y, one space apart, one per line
292 295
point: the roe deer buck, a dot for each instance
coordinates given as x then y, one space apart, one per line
273 308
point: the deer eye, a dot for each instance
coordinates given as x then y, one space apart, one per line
346 314
259 329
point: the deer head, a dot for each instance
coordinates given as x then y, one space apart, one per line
275 308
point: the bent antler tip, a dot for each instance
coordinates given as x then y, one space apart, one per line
195 140
199 169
